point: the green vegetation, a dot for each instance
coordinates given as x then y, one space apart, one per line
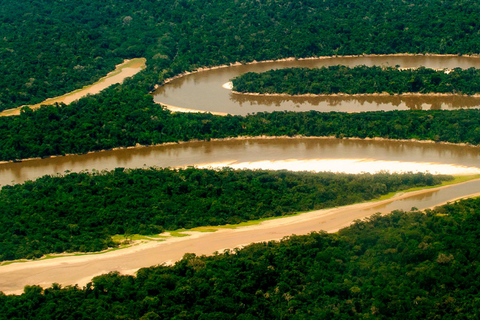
358 80
137 63
82 211
411 265
75 43
51 48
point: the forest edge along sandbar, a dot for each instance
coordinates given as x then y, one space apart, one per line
124 70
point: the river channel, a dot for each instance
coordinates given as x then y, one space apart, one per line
199 91
317 154
204 91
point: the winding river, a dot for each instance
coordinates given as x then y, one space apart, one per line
203 91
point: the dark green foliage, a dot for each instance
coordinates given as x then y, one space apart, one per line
49 48
75 42
400 266
358 80
81 211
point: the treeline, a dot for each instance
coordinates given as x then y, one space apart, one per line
414 265
82 211
359 80
123 117
76 42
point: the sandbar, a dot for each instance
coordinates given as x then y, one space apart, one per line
126 69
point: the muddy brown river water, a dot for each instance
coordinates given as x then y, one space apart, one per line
203 91
254 150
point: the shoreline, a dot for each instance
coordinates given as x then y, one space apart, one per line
341 94
237 63
262 137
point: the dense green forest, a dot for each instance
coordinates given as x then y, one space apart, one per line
359 80
82 211
414 265
120 117
74 43
52 47
411 265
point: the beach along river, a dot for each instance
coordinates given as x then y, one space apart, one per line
81 269
204 91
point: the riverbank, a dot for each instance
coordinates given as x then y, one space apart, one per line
378 94
187 110
126 240
241 138
202 69
80 269
126 69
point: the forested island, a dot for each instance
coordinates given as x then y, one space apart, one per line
405 265
82 211
359 80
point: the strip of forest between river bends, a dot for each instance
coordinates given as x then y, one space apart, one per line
123 118
359 80
82 211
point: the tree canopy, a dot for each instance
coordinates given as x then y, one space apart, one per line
405 265
82 211
50 48
359 80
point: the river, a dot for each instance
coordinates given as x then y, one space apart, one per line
204 91
293 153
290 153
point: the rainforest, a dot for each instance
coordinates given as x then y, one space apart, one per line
406 264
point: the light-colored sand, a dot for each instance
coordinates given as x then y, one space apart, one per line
122 71
354 166
179 109
228 85
80 269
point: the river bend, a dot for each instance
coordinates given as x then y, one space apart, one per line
203 90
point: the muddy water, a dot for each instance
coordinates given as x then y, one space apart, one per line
250 150
204 91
